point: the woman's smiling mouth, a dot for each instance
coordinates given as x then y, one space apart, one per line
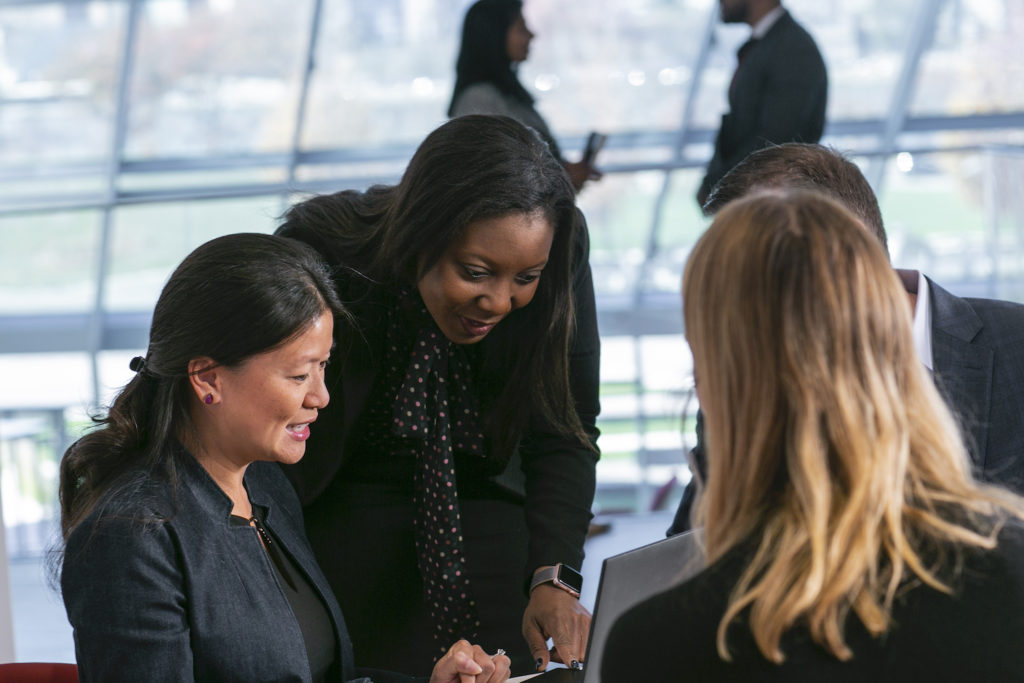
475 328
300 430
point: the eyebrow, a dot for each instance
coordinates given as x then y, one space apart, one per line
316 358
491 264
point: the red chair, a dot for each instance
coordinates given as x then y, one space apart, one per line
38 672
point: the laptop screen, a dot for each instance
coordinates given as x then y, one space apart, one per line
626 580
633 576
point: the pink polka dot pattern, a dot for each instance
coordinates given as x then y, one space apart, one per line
422 411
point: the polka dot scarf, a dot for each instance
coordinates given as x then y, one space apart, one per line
434 405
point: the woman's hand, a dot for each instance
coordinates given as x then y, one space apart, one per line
465 663
580 173
554 613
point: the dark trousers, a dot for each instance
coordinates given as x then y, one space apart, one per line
363 538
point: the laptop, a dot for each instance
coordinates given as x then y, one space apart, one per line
626 580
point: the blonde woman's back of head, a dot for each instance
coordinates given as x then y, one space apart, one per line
829 447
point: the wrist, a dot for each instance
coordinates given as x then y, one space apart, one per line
560 576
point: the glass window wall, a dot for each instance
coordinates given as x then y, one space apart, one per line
232 109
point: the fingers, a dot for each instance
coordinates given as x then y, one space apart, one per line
537 642
569 651
457 664
502 668
578 172
555 613
570 643
467 668
468 663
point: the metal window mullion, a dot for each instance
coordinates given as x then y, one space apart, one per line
307 75
97 321
922 33
700 62
699 66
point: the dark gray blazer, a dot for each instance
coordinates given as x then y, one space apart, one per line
978 363
778 95
159 586
978 359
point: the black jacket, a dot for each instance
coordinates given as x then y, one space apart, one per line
778 95
553 475
973 635
160 586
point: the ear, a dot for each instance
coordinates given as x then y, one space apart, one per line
205 378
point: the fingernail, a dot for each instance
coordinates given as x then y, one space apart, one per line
575 665
540 662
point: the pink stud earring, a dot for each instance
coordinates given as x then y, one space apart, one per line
209 399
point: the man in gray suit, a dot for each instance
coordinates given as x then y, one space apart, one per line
974 347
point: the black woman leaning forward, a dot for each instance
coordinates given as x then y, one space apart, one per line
458 464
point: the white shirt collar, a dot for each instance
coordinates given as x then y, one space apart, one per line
922 328
766 22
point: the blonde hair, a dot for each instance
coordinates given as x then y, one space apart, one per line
829 447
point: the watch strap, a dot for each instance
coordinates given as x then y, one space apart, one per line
552 574
543 576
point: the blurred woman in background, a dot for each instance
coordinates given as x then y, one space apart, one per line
495 41
846 538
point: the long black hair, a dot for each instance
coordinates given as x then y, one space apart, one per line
471 168
483 53
232 298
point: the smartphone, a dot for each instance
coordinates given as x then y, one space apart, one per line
595 141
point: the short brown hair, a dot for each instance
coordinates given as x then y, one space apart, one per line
802 166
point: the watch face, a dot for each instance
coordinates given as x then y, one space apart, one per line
570 577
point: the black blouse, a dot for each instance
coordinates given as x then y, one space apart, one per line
310 612
386 459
